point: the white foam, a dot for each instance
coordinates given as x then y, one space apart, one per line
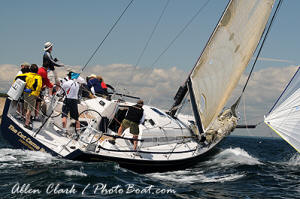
37 156
223 178
7 158
74 173
294 160
175 178
189 177
233 156
23 156
10 165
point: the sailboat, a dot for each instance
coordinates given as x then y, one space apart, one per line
284 117
165 142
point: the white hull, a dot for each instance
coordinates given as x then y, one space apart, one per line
169 141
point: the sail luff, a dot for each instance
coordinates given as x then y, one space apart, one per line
177 102
227 54
284 138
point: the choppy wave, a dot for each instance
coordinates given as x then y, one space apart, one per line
75 173
294 160
18 157
190 176
241 168
214 170
176 176
233 156
223 178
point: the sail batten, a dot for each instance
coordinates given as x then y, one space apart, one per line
227 54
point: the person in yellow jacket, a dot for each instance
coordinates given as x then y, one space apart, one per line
31 92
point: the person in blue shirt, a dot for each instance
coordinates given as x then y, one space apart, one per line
95 85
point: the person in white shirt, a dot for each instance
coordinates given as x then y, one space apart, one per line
24 68
71 87
20 107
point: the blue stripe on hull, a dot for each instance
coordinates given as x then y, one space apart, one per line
142 166
17 137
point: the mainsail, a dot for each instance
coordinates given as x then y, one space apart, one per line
226 56
284 117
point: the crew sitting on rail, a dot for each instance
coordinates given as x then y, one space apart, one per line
31 91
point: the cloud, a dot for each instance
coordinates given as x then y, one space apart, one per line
266 85
7 74
160 85
155 85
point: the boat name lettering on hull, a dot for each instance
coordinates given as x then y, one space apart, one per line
25 140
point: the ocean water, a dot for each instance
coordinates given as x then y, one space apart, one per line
241 167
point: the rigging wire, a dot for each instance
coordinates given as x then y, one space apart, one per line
181 31
235 105
152 33
107 34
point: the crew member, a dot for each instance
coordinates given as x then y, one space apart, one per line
49 62
71 88
25 68
134 116
95 85
31 91
104 86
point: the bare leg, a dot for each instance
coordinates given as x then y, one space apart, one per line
77 125
64 122
135 137
37 109
50 91
120 130
19 108
28 114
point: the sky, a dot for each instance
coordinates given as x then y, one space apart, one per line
77 27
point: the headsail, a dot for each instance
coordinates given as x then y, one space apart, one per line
284 117
227 54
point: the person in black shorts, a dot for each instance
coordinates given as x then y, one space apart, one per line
71 88
70 106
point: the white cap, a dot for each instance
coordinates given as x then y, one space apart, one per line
92 75
47 45
74 70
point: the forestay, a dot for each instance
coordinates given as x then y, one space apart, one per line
284 117
227 54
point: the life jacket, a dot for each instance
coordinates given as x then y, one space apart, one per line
134 114
33 82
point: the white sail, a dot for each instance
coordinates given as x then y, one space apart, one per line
284 118
227 54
